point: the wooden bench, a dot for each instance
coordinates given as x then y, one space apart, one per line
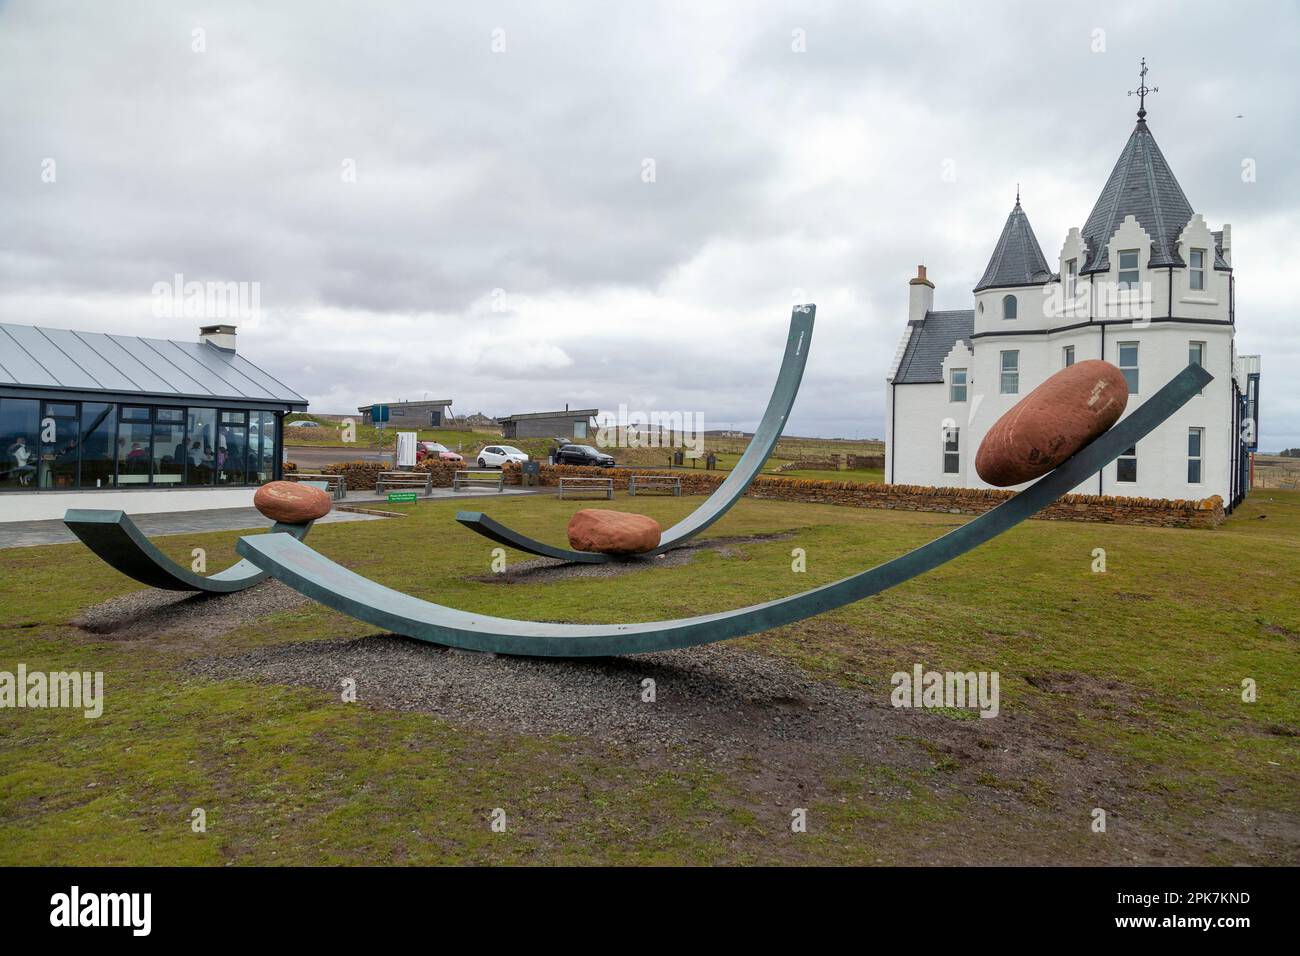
669 483
405 479
462 479
336 485
602 486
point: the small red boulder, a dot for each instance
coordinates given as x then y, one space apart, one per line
1066 413
291 502
613 532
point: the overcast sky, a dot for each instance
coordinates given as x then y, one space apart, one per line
499 244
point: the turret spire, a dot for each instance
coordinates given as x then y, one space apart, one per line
1142 91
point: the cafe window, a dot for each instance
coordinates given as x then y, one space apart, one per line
134 446
56 445
20 423
169 448
201 437
98 431
60 445
232 448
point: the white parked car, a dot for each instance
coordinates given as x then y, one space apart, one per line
301 425
494 456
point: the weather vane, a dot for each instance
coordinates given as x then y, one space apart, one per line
1143 90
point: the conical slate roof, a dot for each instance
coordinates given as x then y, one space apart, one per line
1017 258
1143 186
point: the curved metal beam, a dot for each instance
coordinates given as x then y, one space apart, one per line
726 494
318 577
119 542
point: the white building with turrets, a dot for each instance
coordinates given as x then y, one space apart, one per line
1145 284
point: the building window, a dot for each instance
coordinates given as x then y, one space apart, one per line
134 445
1010 373
1128 268
580 428
98 444
1195 440
1126 465
201 455
101 445
951 449
1197 273
261 445
1067 356
1008 307
1128 364
232 449
1071 277
1195 353
60 445
20 427
169 447
957 385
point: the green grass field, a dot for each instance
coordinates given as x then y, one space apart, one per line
1120 690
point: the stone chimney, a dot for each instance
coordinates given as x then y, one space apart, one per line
222 336
1227 243
920 296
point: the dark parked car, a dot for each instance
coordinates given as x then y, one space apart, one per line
582 455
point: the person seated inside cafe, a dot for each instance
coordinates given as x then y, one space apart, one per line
21 457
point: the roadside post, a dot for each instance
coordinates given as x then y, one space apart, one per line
379 418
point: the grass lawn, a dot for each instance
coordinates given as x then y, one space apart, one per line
1119 690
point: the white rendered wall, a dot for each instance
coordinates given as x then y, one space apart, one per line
917 457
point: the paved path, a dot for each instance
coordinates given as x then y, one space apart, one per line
313 457
26 534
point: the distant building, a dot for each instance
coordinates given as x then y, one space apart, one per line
577 424
414 414
477 420
91 420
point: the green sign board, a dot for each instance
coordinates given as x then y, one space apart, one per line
402 496
379 414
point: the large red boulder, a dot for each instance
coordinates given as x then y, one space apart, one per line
1064 414
613 532
291 502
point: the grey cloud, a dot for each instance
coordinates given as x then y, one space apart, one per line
522 171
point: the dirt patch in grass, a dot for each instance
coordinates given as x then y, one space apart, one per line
151 615
783 737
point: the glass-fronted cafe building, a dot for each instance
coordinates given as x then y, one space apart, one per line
94 416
